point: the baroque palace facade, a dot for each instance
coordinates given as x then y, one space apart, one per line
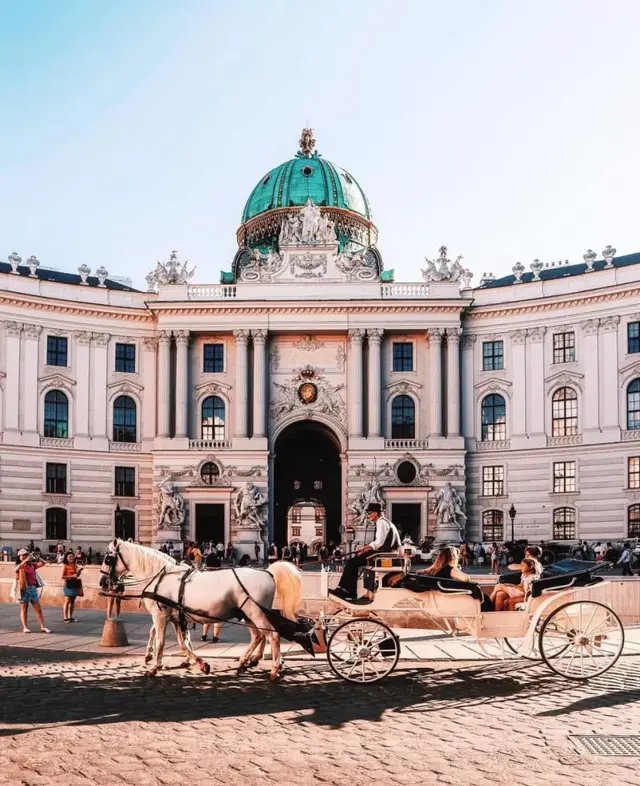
309 381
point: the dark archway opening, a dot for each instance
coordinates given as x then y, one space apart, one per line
307 467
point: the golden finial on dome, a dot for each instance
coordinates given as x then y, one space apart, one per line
307 143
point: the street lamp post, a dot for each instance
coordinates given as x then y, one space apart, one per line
512 516
118 512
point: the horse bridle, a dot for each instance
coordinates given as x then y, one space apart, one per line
112 561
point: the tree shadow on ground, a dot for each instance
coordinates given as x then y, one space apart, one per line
119 693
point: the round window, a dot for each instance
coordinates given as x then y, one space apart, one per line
210 473
406 472
307 171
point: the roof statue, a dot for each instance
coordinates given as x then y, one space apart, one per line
307 227
307 144
443 269
171 272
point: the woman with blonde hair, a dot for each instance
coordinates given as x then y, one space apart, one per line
445 566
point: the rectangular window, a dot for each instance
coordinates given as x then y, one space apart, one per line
564 477
564 524
56 478
564 347
213 359
402 356
126 358
633 337
492 481
492 355
634 472
125 482
296 516
56 351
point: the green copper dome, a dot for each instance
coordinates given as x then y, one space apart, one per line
307 177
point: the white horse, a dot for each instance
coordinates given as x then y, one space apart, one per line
219 595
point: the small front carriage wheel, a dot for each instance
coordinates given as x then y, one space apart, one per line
363 650
581 639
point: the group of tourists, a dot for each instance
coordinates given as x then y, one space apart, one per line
328 554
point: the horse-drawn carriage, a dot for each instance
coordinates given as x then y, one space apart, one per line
576 637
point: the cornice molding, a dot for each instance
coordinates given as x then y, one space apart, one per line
100 311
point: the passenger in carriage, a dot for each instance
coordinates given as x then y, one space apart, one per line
534 553
506 596
445 566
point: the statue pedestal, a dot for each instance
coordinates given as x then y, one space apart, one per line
245 540
447 533
165 535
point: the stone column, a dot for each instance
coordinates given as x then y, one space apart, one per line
83 377
29 396
609 373
182 383
519 376
536 400
453 382
12 389
468 402
434 335
164 382
150 345
242 340
259 382
590 401
355 382
99 387
375 386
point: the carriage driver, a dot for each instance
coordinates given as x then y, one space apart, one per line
387 539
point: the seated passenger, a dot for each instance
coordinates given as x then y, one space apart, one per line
505 596
445 566
534 553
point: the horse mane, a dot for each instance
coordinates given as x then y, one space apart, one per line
149 560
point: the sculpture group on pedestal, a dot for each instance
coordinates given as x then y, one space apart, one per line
249 506
450 515
171 512
371 493
307 227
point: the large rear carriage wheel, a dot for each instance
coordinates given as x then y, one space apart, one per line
581 639
363 651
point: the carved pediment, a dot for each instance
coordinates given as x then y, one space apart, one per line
56 381
493 385
629 372
403 386
124 387
564 379
213 389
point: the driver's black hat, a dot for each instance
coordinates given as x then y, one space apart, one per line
374 507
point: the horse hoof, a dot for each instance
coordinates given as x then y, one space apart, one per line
150 672
274 677
205 668
184 665
253 663
148 659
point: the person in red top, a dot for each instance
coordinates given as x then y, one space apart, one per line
28 584
72 586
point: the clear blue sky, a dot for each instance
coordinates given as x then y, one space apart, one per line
506 130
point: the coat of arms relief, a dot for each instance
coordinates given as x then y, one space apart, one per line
310 390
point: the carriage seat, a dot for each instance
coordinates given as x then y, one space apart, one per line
426 583
389 563
583 578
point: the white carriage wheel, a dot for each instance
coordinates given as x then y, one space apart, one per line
581 639
363 650
534 651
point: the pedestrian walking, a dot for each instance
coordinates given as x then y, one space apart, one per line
72 585
495 557
625 560
256 549
28 589
272 554
220 551
231 553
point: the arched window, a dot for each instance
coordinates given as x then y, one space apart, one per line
210 473
494 418
492 526
124 420
403 418
213 417
56 415
634 521
56 524
564 412
633 404
564 524
125 521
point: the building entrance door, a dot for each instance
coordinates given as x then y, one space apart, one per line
307 470
209 523
406 517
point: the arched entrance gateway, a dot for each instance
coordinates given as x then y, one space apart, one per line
307 484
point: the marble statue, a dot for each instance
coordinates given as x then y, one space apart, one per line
443 269
307 227
171 272
369 494
172 513
249 507
450 516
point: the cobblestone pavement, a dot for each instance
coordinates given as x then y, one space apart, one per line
79 719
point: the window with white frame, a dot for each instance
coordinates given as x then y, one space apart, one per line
564 524
564 347
494 418
402 356
126 358
633 521
492 355
125 481
633 472
564 477
633 338
633 405
564 412
213 358
56 478
493 481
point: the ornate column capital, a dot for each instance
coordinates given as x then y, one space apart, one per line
13 328
82 337
241 336
32 331
590 326
610 324
375 335
536 334
356 335
182 337
150 343
468 340
518 336
454 335
434 335
164 338
100 339
259 335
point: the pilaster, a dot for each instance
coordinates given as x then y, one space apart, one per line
29 396
13 331
609 375
468 346
453 382
518 375
259 383
375 382
242 351
150 348
591 398
83 377
164 382
434 336
356 336
99 360
182 383
535 386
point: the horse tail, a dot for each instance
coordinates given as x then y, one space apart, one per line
288 588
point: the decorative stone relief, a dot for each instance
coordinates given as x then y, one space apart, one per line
13 328
311 391
32 331
443 269
213 389
101 339
357 265
564 379
55 381
468 341
168 505
310 265
125 387
341 357
370 494
494 385
260 267
274 357
536 334
82 337
629 372
518 336
435 335
172 272
250 507
590 327
150 343
307 227
403 387
308 344
610 324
